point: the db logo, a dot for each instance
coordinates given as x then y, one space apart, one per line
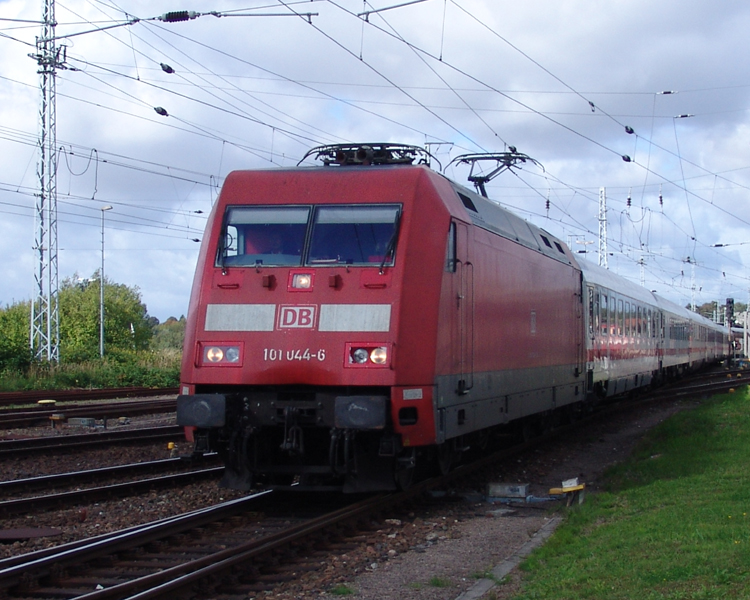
296 317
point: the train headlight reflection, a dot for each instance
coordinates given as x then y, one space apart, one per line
214 354
301 281
379 356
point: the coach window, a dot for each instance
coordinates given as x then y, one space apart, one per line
258 235
593 311
650 324
620 328
612 315
633 322
354 235
604 309
627 319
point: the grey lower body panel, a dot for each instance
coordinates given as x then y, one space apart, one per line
499 397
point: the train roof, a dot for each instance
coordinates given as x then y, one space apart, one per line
607 279
490 215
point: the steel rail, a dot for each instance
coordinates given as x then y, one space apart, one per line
88 440
29 417
11 398
13 570
120 490
17 486
168 581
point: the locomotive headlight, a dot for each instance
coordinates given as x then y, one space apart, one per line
379 356
364 355
224 355
301 281
214 354
360 356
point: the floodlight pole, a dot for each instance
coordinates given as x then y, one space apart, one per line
101 289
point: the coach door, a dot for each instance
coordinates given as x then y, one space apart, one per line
463 345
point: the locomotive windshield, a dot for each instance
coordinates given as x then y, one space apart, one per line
354 235
265 235
338 234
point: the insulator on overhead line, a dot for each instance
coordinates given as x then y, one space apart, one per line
178 15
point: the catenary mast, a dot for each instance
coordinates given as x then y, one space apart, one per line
45 316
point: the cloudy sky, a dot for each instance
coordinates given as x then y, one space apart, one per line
254 86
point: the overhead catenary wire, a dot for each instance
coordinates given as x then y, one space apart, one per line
198 124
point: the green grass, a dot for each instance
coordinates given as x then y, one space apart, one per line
674 521
439 582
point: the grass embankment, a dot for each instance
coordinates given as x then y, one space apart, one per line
674 522
143 369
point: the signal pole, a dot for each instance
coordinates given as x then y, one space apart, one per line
603 261
45 315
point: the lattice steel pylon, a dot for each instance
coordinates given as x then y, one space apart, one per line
45 315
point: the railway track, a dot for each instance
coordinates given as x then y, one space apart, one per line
16 487
31 397
11 418
704 384
220 551
190 547
31 504
176 556
60 443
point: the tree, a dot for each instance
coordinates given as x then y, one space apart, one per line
169 335
707 309
15 352
127 326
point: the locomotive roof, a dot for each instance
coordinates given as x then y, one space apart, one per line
490 215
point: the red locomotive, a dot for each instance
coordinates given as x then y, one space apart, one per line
352 321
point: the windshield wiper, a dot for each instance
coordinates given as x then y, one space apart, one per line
391 247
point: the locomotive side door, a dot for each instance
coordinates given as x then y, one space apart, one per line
463 278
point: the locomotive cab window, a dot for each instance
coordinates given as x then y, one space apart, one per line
266 236
450 250
354 235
